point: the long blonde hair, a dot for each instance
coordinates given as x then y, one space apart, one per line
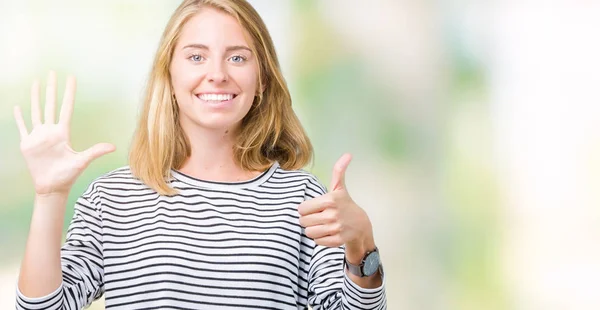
269 132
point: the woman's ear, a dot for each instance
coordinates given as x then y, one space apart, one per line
262 86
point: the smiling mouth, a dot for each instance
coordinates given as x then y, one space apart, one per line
216 98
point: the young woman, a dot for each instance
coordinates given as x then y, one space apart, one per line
213 211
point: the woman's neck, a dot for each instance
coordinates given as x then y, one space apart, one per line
212 158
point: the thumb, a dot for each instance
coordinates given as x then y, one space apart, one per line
97 150
338 180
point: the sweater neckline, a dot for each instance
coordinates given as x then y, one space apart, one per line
254 182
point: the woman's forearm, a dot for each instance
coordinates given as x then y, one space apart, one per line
40 272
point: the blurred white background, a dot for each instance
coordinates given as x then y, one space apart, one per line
475 127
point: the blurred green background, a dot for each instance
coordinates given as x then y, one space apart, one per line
474 127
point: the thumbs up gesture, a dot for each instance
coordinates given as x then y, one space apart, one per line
334 219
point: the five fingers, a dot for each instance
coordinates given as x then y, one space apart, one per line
66 110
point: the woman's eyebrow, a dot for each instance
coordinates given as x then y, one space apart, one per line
228 49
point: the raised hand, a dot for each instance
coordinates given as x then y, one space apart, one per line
335 219
53 164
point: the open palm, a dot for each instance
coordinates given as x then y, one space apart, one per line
53 164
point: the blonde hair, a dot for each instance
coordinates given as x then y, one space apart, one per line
269 132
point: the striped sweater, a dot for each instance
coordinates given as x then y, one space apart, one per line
215 245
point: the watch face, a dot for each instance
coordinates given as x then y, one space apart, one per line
371 264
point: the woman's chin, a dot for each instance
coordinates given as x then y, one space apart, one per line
219 124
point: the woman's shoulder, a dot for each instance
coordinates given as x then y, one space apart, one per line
118 180
121 174
298 175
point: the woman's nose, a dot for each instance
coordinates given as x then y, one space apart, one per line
217 73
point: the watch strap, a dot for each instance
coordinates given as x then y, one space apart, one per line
354 269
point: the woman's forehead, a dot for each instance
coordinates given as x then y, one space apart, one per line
214 29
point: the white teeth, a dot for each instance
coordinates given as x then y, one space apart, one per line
216 97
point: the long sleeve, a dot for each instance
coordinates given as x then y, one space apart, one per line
81 261
328 285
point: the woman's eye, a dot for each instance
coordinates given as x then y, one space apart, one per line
196 57
237 59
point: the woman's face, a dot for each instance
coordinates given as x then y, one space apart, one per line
213 72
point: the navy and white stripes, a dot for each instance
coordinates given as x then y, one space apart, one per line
213 246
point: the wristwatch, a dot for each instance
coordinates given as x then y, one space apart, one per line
369 265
